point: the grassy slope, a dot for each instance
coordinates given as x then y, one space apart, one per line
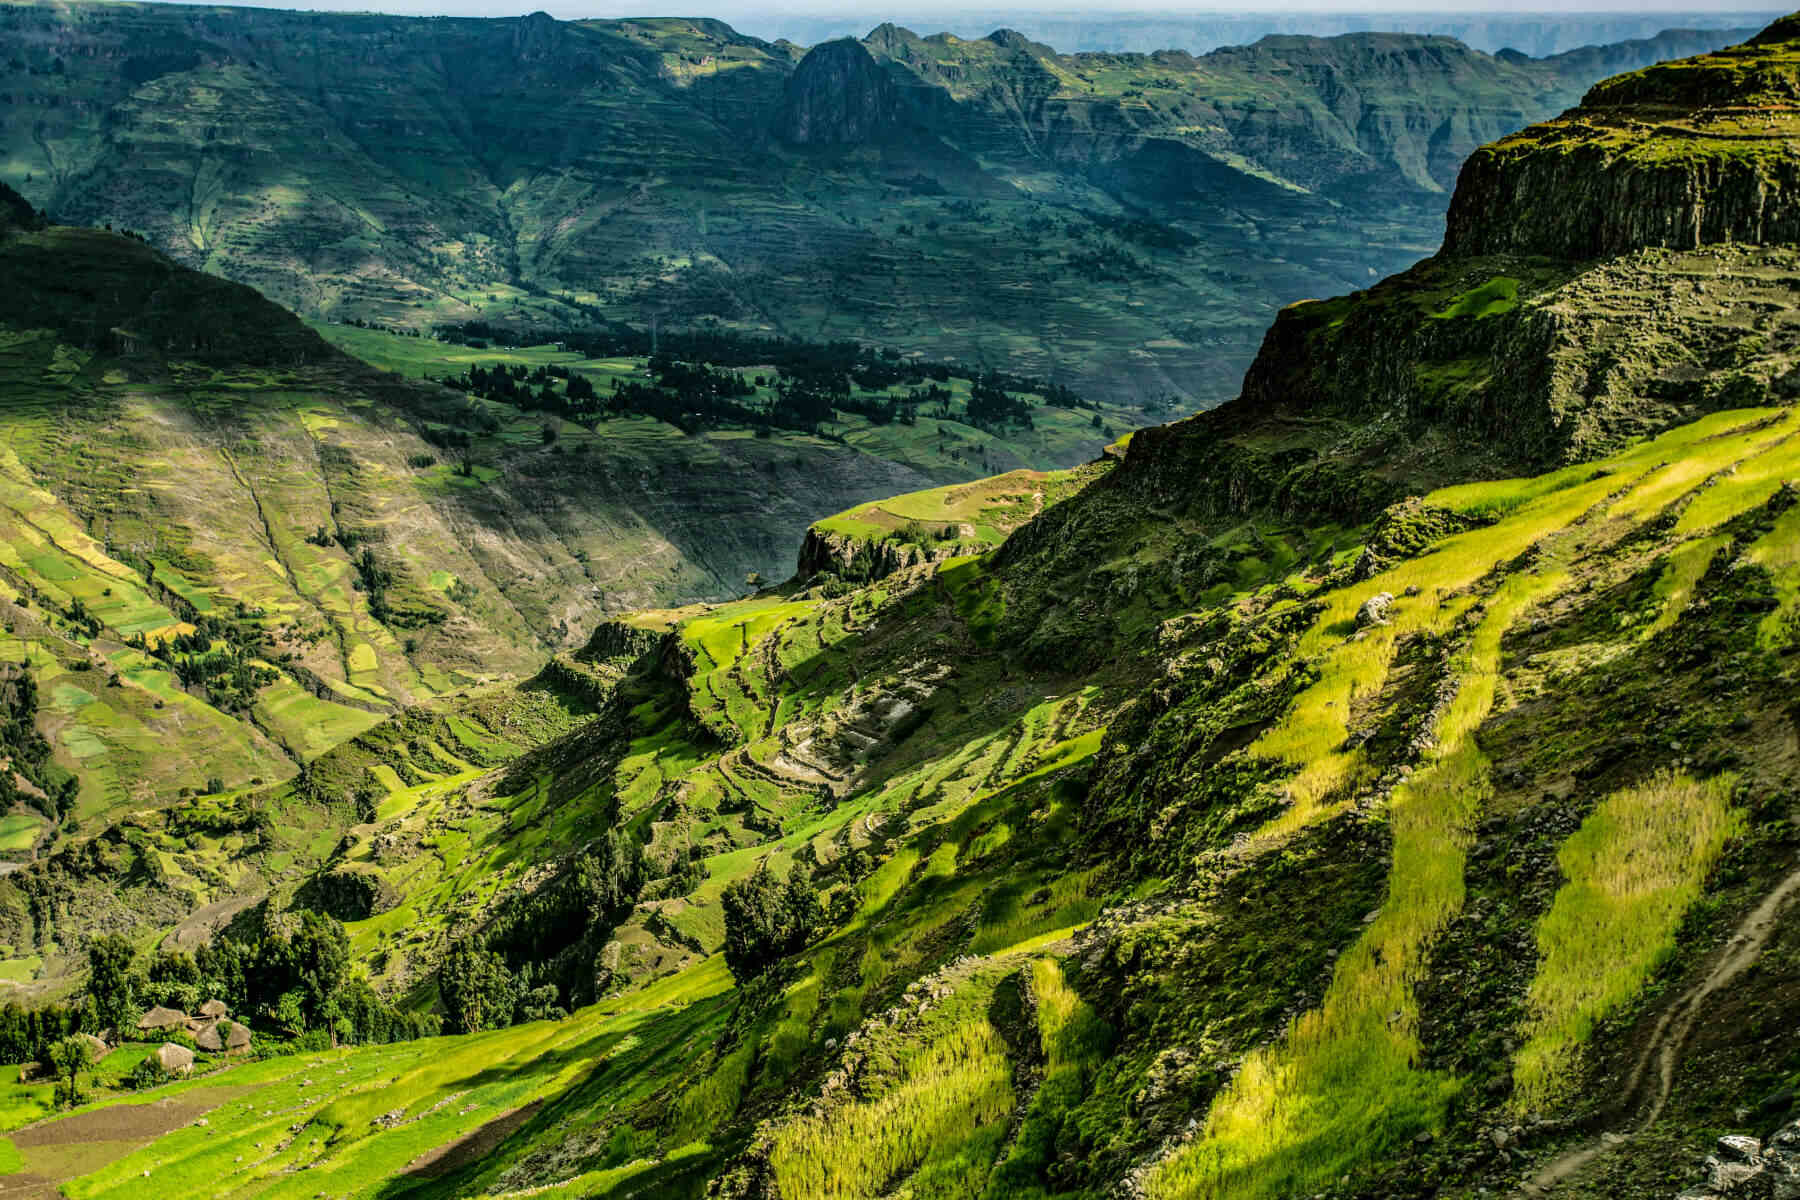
970 857
154 492
1189 869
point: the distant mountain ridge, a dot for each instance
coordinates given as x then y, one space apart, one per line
1121 223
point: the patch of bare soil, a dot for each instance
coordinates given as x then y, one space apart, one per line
452 1156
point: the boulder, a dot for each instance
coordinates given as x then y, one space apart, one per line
1374 610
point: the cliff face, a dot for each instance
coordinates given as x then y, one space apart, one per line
1680 155
862 560
839 96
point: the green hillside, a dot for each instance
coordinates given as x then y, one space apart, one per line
226 548
1123 224
1381 785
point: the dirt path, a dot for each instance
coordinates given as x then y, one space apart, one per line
1652 1077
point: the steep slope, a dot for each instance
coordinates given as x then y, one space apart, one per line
1310 804
184 460
1124 224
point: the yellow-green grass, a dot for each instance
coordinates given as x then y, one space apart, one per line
1341 1086
19 830
289 1127
982 512
945 1114
306 724
1498 295
1634 868
1779 553
1312 735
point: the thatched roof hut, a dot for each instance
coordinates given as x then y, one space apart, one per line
223 1036
163 1018
176 1060
95 1044
212 1010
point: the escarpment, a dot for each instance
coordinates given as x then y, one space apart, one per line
1679 155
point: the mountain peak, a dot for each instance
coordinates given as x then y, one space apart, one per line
838 96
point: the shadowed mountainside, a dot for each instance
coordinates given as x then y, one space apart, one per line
1123 224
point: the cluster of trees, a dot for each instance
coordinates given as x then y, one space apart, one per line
539 955
767 919
47 787
992 407
696 384
287 973
26 1034
228 674
534 390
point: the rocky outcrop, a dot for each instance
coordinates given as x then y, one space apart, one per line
839 96
861 560
1680 155
1747 1168
615 640
1578 196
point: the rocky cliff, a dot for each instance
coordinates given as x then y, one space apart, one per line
1680 155
864 560
839 96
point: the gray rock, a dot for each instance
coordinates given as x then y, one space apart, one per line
1374 610
1742 1166
1737 1148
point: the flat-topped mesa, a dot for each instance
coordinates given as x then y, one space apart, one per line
1697 152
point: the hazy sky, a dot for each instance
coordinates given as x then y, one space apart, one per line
877 11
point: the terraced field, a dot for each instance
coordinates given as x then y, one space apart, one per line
956 1024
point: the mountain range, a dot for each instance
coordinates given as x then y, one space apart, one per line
1123 224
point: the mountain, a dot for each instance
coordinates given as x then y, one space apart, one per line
1380 785
230 546
1540 34
1123 224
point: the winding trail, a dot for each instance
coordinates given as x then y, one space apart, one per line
1652 1077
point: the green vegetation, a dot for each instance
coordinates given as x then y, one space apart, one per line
1498 295
1377 786
1634 868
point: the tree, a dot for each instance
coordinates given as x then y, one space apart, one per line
766 920
110 980
477 989
70 1057
754 581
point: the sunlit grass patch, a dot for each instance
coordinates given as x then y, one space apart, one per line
1633 868
943 1116
1341 1086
